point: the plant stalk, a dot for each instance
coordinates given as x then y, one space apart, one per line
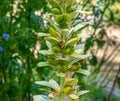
61 87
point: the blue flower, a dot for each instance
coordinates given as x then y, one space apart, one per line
6 36
1 49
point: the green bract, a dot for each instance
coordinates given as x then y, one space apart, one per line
69 50
71 9
63 20
56 49
54 33
56 11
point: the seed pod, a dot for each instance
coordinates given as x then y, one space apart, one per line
56 49
63 20
60 68
67 90
56 11
53 32
52 62
71 9
74 67
69 50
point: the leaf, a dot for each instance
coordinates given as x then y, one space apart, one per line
77 52
45 52
62 61
48 44
56 85
45 83
71 82
76 58
84 72
52 84
42 64
80 56
53 23
60 74
83 36
73 96
43 34
63 20
72 42
54 3
82 92
54 33
68 33
80 26
41 98
52 40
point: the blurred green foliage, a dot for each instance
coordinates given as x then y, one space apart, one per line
18 64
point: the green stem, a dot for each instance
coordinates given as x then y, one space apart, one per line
61 87
61 97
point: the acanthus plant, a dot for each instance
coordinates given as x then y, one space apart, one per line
65 52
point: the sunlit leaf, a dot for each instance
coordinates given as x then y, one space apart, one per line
77 52
84 72
44 83
76 58
52 84
45 52
42 64
43 34
62 60
80 26
63 20
48 44
52 40
73 96
53 23
54 33
82 92
41 98
71 82
60 74
80 56
72 42
55 84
